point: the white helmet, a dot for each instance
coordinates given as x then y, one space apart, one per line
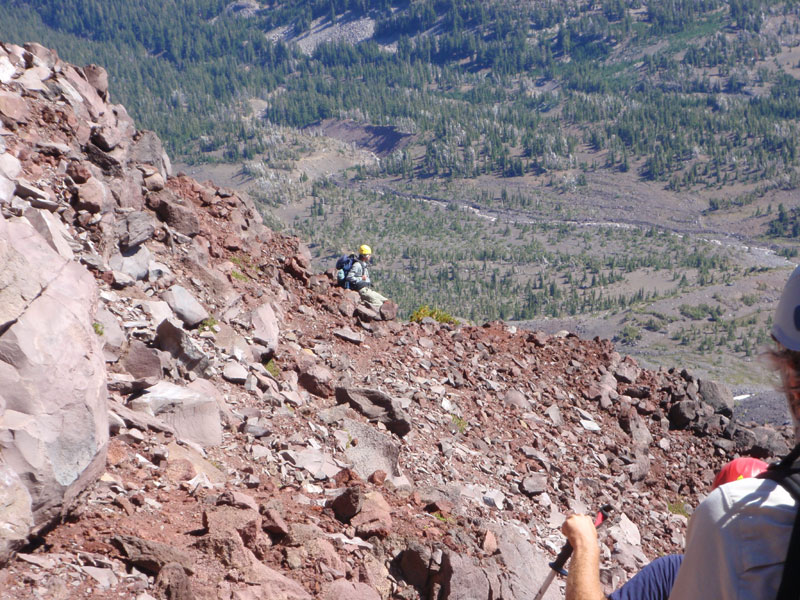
786 328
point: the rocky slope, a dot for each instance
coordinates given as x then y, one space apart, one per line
186 411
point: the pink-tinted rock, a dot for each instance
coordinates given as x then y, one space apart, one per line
148 150
317 379
14 107
79 172
175 212
45 56
342 589
94 197
193 415
106 138
97 78
54 417
388 311
97 108
127 191
375 517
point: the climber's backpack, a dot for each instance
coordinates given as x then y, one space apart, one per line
787 473
343 266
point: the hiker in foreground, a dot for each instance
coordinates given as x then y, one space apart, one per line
357 278
742 534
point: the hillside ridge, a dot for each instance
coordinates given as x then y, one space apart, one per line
187 410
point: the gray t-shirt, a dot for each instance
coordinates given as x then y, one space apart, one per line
736 543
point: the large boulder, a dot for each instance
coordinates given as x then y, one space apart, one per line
137 227
174 211
193 415
371 451
718 395
171 338
53 412
133 261
188 309
378 406
147 150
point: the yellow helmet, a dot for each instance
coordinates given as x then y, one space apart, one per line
364 250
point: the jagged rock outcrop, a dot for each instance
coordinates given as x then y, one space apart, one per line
53 414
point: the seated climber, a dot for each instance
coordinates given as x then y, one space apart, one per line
358 279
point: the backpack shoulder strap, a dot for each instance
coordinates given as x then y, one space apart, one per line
787 473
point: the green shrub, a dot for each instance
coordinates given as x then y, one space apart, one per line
98 328
241 261
434 313
750 299
459 422
679 507
630 334
272 368
207 324
238 276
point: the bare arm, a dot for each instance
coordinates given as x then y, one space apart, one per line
583 580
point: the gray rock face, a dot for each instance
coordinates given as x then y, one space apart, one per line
151 556
174 211
683 413
634 425
374 451
319 464
133 262
7 188
348 504
234 372
147 150
171 338
718 396
265 328
515 570
523 566
389 311
94 197
185 306
136 228
194 416
759 442
534 484
376 405
97 78
366 314
53 413
141 361
627 371
10 166
348 335
463 579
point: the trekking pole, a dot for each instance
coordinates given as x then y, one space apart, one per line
557 566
